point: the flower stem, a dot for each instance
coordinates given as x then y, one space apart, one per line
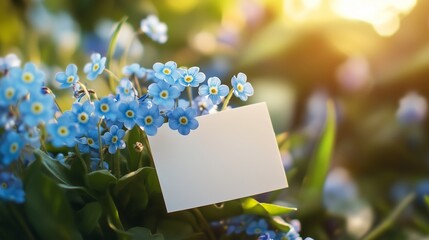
387 223
189 89
204 223
227 99
148 150
111 74
85 90
100 144
117 165
136 81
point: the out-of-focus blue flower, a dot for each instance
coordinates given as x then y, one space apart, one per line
242 88
214 90
126 91
270 235
10 92
10 149
67 78
31 135
61 158
89 141
95 67
64 132
82 114
340 192
128 113
412 109
134 69
163 94
183 120
155 29
106 107
257 227
94 164
38 109
29 77
11 188
422 190
150 119
7 119
8 62
191 77
237 225
113 139
167 72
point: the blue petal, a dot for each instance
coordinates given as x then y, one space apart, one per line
223 90
184 130
203 90
158 67
213 81
173 123
61 77
71 69
248 89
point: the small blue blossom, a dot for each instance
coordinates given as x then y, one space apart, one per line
191 77
64 132
11 188
95 67
126 91
106 107
8 62
214 90
257 227
134 69
269 235
67 78
89 141
82 114
167 72
7 119
242 89
412 109
128 113
30 77
155 29
10 92
10 148
37 109
30 135
163 94
150 120
183 120
113 139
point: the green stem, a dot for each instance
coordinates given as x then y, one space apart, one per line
204 223
227 99
112 74
388 222
189 89
148 150
139 89
76 149
117 164
85 90
21 222
100 143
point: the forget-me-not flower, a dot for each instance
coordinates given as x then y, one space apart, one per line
10 148
242 88
163 94
155 29
37 109
82 114
150 119
126 91
113 138
134 69
10 92
69 77
8 62
89 141
106 107
191 77
167 72
63 132
29 77
11 188
214 89
128 113
95 67
257 227
183 120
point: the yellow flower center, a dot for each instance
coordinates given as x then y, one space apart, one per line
10 92
130 114
83 117
95 67
104 107
114 139
183 120
164 94
148 120
70 79
28 77
188 79
63 131
240 87
36 107
166 71
3 185
213 90
90 141
13 147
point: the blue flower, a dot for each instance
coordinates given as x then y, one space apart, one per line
89 141
126 90
167 72
257 227
150 120
268 235
134 69
163 94
242 89
11 147
8 62
30 77
37 109
214 90
82 114
182 120
412 109
11 188
155 29
10 92
69 77
113 139
191 77
106 107
64 132
128 113
95 67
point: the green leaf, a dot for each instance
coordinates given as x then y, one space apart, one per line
174 229
311 194
133 136
112 214
112 46
54 168
251 206
88 217
144 233
427 200
47 207
100 180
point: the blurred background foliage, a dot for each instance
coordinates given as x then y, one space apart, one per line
370 57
